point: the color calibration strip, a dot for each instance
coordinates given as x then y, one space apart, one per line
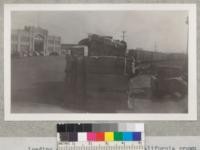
100 136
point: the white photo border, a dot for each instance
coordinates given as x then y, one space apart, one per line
192 64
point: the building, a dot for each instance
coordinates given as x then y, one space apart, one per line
32 41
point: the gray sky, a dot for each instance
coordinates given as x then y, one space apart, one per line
143 28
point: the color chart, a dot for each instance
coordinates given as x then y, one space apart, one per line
122 136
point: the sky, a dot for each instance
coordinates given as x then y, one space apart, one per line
144 29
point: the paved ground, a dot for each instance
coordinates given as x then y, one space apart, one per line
38 87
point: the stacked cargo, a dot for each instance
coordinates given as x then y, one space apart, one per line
105 65
104 46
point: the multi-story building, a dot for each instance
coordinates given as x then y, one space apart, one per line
34 41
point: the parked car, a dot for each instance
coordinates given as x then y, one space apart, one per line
53 54
169 80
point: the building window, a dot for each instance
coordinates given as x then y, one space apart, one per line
57 42
50 49
24 48
14 47
14 37
50 41
25 39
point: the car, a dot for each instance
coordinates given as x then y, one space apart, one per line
53 54
169 80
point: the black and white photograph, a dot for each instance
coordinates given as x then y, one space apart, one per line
104 61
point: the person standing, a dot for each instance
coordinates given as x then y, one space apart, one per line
133 68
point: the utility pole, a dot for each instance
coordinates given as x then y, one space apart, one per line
155 47
38 19
123 35
187 46
153 54
125 61
187 23
155 50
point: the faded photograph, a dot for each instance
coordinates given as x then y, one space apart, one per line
99 61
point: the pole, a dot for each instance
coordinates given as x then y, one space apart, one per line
125 61
123 35
187 46
187 21
153 53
